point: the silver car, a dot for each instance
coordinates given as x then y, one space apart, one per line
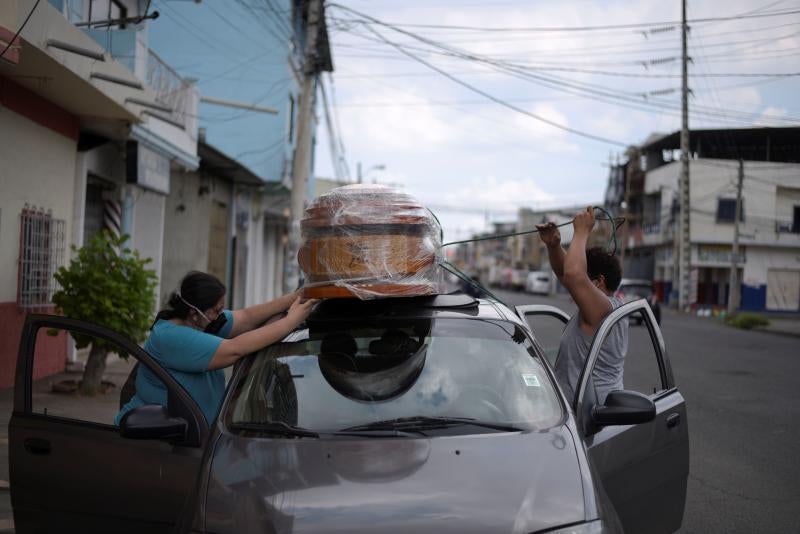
437 414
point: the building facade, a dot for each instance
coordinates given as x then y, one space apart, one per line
769 225
92 124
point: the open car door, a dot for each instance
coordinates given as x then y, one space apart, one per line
547 324
643 466
72 470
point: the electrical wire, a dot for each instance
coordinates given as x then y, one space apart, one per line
337 124
191 28
499 101
592 91
600 50
589 71
582 28
617 222
276 31
22 27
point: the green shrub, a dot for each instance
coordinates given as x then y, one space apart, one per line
109 285
746 320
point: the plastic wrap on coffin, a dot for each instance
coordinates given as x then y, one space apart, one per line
369 241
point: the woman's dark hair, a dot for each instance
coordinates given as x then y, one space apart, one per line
598 262
201 290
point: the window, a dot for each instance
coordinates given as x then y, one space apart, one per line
41 253
55 393
547 330
640 367
726 210
345 374
796 220
102 11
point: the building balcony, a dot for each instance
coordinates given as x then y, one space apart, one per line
176 97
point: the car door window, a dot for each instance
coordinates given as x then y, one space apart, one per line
641 370
547 324
629 359
58 394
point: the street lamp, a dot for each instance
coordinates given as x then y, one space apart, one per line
361 176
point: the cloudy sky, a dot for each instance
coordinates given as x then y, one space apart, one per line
475 160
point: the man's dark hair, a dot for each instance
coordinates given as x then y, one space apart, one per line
598 262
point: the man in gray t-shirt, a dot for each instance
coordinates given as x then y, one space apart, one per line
591 277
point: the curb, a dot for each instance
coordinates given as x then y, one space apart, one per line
786 333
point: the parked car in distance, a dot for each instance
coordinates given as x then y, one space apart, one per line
539 282
433 414
631 289
518 279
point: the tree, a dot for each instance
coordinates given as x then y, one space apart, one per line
109 288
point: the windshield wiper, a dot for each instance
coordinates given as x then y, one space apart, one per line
275 427
430 422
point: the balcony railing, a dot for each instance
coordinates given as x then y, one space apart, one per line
128 46
173 92
651 228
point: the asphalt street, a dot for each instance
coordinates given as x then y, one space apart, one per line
743 404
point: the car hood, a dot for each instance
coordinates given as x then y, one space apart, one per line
496 482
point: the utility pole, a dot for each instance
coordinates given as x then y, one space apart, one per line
626 212
684 258
302 160
733 284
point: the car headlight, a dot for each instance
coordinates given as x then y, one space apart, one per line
592 527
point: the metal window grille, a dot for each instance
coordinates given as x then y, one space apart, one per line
41 252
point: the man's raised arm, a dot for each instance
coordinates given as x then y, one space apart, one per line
551 237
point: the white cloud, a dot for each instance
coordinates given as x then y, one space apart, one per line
395 127
771 116
489 192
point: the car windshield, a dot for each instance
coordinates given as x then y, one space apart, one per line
344 375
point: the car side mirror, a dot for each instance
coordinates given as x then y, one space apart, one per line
152 421
624 408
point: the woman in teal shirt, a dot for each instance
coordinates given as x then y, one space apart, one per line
195 338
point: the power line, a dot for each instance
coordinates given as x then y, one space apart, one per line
187 27
626 35
592 50
279 18
276 31
499 101
589 90
22 27
589 71
581 28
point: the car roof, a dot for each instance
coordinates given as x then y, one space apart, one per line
452 305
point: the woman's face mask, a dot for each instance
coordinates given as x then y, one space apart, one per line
213 326
216 325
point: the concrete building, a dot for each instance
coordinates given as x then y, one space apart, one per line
769 225
92 123
261 213
209 215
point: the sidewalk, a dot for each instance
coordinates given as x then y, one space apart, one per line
99 408
784 325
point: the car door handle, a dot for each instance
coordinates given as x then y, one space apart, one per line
37 446
673 420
